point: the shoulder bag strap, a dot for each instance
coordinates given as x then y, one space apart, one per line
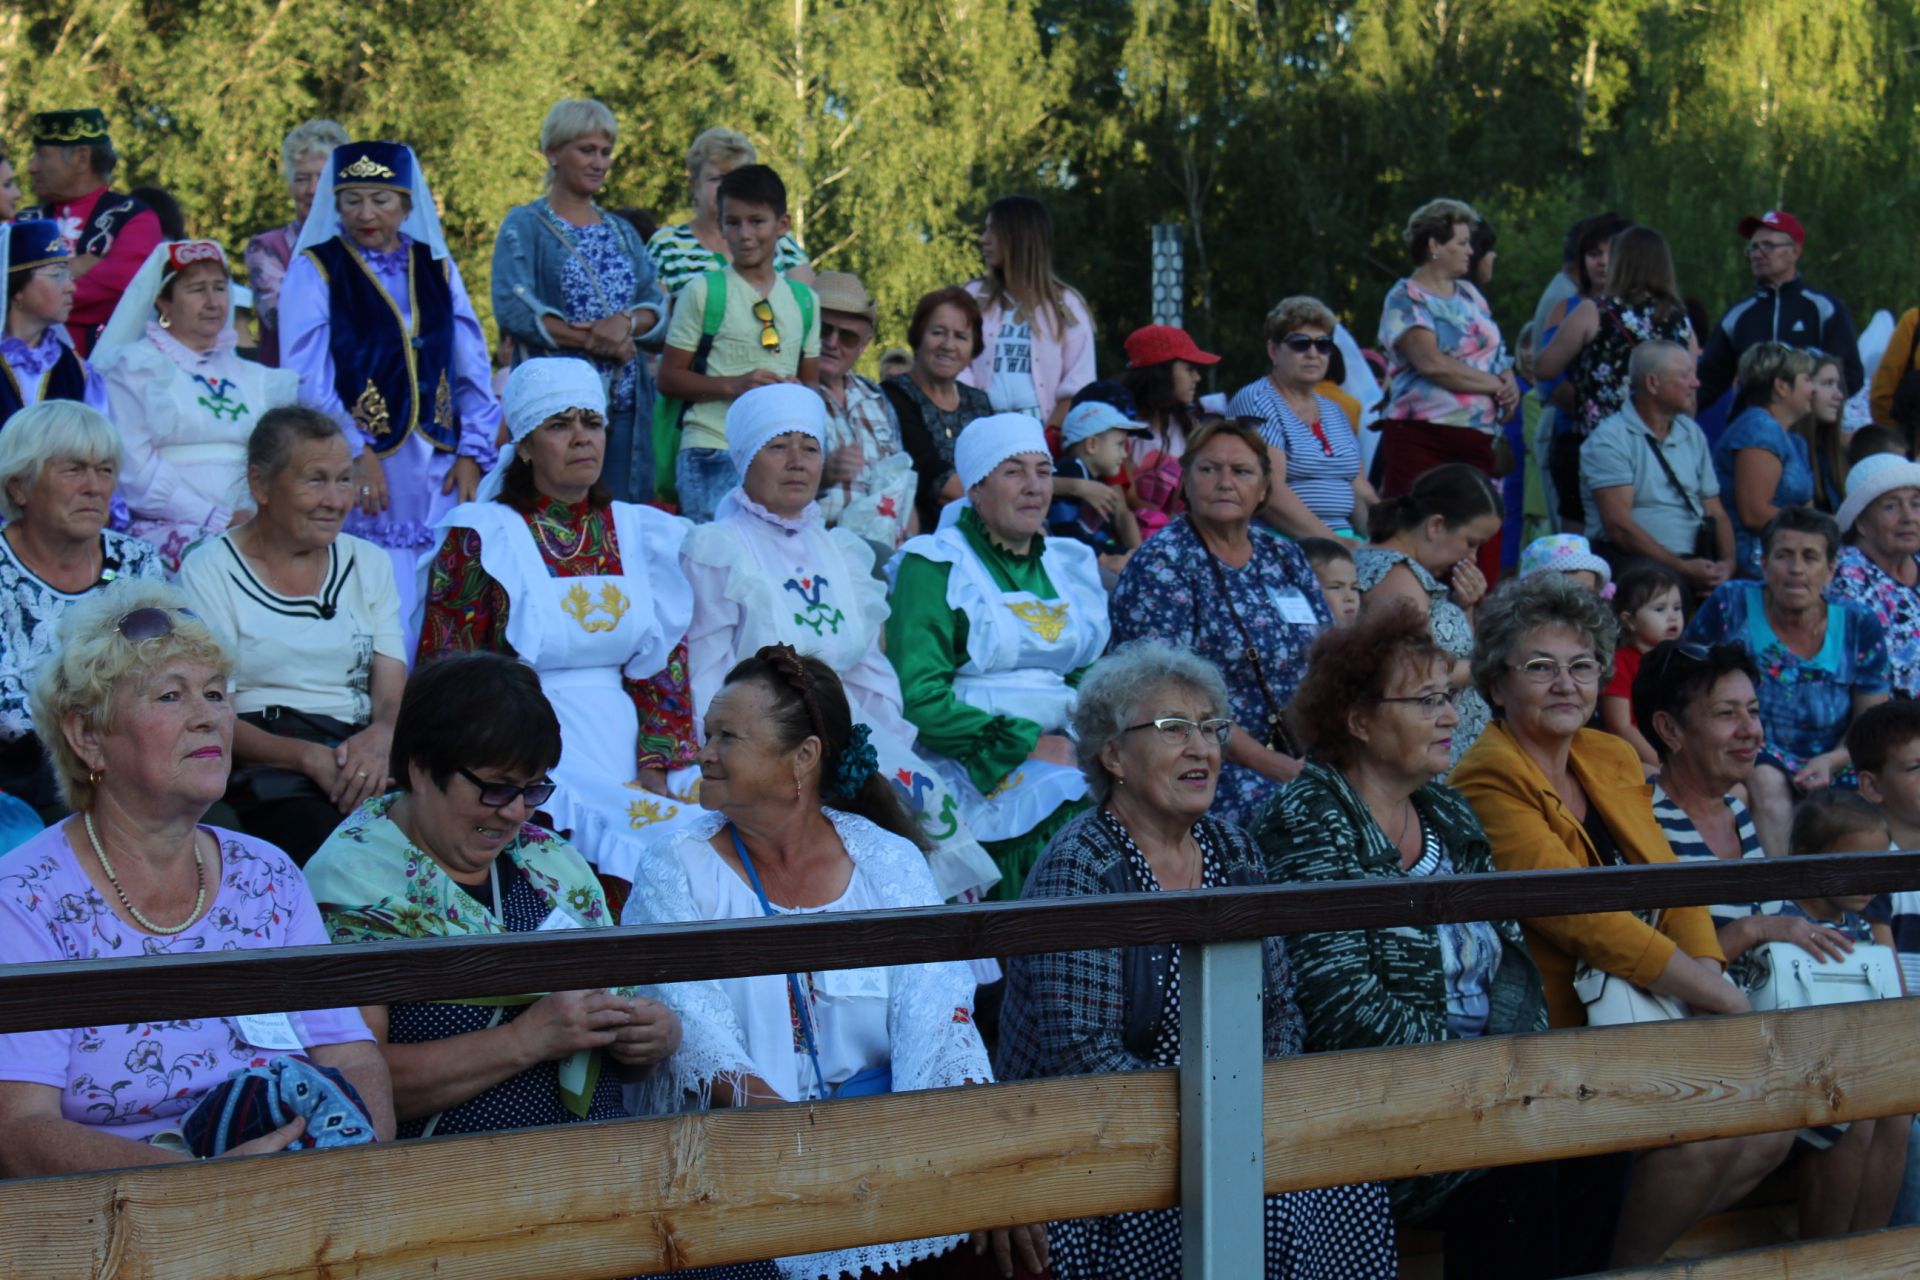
802 298
800 1009
1276 720
1660 457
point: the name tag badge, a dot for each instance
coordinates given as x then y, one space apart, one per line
557 920
268 1031
1295 609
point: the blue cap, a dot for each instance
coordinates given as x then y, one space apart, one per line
34 243
373 164
1085 421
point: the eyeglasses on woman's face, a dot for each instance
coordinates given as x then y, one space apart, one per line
1429 705
1302 343
1177 731
498 795
1544 671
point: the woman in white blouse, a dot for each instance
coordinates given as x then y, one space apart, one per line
315 620
184 401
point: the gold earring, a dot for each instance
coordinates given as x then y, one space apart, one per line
94 776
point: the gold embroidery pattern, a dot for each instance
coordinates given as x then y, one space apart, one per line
443 402
366 167
1046 620
370 411
1007 784
645 813
581 607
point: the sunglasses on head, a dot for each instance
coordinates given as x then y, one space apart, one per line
1302 343
769 332
498 795
1694 653
151 623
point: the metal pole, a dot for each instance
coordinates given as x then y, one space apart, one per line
1169 274
1222 1116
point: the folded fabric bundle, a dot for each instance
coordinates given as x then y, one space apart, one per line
254 1101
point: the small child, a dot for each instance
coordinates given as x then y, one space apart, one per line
1093 446
1568 553
1871 440
895 360
1649 600
1830 821
1332 563
1884 744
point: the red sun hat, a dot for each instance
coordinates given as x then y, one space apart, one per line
1158 343
1779 220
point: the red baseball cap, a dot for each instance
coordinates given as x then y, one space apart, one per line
1779 220
1158 343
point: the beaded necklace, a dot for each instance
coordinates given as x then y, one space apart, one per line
199 875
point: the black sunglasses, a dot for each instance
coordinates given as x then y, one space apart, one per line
498 795
1302 343
151 623
1694 653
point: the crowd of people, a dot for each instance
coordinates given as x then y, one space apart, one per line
319 627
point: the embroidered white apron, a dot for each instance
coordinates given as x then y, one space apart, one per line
581 634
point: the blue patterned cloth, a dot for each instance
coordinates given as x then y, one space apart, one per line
598 283
1169 592
254 1101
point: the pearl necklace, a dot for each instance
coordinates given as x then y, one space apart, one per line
199 875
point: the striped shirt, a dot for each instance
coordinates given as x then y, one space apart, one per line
678 256
1322 457
1689 845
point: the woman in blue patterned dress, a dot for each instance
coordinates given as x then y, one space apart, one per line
571 279
1244 599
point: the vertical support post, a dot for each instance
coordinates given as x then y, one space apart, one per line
1222 1116
1169 274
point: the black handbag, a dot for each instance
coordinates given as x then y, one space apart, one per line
265 784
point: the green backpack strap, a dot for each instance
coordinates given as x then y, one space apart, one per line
670 413
802 298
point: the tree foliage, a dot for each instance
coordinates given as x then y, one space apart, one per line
1291 138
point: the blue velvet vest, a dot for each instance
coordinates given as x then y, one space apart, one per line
67 380
392 379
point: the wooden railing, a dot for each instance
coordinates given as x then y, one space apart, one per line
644 1195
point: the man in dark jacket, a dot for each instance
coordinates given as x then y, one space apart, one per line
1781 309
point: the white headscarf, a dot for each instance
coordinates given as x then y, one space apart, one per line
138 306
767 412
422 223
987 442
536 390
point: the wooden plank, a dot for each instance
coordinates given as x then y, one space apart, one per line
102 991
616 1199
1872 1255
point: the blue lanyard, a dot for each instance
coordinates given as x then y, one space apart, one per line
793 982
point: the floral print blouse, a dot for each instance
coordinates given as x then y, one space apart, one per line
1893 603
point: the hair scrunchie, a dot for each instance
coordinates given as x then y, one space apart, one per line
857 763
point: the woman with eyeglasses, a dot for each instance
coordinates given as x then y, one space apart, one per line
1376 712
453 851
1319 487
1553 794
1149 729
1762 464
1247 602
589 592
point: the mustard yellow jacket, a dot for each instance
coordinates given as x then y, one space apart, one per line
1531 830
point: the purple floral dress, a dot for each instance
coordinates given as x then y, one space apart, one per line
1894 603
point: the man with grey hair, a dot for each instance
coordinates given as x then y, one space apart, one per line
108 234
1647 478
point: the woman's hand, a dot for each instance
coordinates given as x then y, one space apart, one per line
653 780
1102 497
1469 584
1508 397
318 762
843 464
1822 943
1030 1242
1818 772
464 475
652 1035
607 335
1053 748
568 1021
370 480
361 767
279 1140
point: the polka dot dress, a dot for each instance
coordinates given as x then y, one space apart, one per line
528 1099
1332 1233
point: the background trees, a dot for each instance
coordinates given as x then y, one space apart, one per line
1290 137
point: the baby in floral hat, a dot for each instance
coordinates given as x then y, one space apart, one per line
1570 554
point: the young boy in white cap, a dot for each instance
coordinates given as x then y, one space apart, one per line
1093 446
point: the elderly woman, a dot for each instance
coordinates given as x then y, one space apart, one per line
1376 711
1149 728
1419 542
37 359
767 570
588 592
689 249
303 158
570 278
1320 490
375 319
1879 569
454 852
1554 794
135 710
184 400
992 624
867 481
930 402
1763 464
1821 661
58 462
315 619
1451 380
1247 602
799 823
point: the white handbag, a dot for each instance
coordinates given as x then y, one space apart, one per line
1788 976
1612 1000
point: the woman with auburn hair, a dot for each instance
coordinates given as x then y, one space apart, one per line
1038 334
931 399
